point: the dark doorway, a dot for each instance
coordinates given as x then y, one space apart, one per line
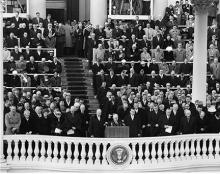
57 14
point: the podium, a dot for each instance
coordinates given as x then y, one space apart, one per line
117 132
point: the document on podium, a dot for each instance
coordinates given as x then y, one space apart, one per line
57 131
169 129
70 132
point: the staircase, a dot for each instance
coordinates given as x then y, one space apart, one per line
78 80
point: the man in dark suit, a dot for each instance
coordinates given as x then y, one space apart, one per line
27 124
188 123
133 78
133 121
123 110
177 113
122 79
167 123
38 41
32 66
153 79
157 40
132 41
173 79
34 31
97 125
153 121
16 53
68 102
57 121
37 19
117 32
145 43
55 66
39 54
101 93
48 20
27 53
73 122
111 78
187 8
91 44
134 54
11 41
101 77
16 19
154 66
162 79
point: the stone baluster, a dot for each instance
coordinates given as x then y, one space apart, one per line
147 153
198 149
140 154
22 158
55 152
193 150
187 150
104 161
90 154
16 150
182 150
9 151
159 152
49 152
29 151
36 151
69 153
62 152
210 149
177 151
83 154
172 151
134 153
97 154
166 153
42 152
217 148
76 153
153 153
204 149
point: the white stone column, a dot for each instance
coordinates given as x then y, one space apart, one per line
37 6
82 10
87 9
98 12
1 88
200 51
159 8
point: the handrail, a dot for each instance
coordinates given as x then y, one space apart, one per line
95 154
129 62
41 87
20 74
43 49
108 140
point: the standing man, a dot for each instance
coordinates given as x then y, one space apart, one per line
37 19
97 125
134 122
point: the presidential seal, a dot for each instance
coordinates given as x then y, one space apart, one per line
119 156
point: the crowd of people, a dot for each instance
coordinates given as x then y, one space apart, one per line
142 76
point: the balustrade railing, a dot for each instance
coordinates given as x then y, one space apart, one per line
145 154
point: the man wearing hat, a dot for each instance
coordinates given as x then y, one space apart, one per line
214 123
